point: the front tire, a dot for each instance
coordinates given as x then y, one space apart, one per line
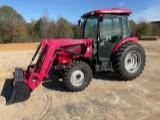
129 61
77 76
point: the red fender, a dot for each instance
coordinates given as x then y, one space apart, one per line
134 39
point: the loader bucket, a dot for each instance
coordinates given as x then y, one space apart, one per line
20 91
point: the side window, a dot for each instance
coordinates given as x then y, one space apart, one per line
125 26
116 27
106 29
110 28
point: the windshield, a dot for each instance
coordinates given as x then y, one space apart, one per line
90 27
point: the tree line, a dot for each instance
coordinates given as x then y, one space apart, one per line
143 28
14 28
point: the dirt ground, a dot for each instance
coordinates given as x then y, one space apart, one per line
106 98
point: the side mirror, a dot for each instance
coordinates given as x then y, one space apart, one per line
79 22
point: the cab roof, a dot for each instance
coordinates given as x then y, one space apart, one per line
108 11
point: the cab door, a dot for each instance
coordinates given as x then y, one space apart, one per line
111 32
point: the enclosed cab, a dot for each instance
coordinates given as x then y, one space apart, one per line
108 28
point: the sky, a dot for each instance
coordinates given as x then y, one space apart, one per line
72 10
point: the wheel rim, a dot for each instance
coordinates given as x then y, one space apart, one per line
77 78
132 61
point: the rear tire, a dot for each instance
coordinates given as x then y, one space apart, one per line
129 61
77 76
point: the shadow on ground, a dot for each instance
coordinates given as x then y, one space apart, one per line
54 83
106 75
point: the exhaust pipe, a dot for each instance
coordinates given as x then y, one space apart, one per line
20 91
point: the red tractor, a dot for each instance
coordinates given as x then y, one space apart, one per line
106 43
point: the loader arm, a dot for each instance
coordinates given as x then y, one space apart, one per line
37 72
26 81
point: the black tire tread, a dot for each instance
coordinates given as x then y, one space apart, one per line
117 58
67 72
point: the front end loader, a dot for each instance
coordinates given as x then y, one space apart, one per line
105 44
51 52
